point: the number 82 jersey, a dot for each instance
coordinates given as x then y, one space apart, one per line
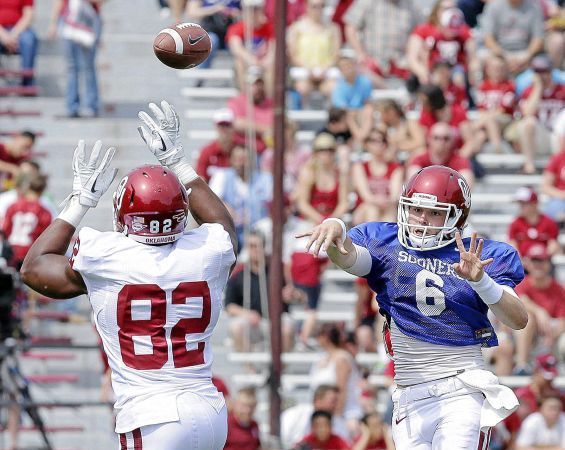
421 292
155 308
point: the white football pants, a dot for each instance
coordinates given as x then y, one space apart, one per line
438 415
200 428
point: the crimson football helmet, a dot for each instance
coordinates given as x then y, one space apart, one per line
436 188
150 205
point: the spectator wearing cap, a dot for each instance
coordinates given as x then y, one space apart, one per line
513 29
322 436
244 190
441 150
444 37
378 31
217 153
295 421
553 180
435 108
13 152
352 92
531 226
539 104
321 192
545 428
262 50
17 35
261 116
313 49
544 299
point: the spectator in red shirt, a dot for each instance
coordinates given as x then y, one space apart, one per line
243 431
12 153
321 437
496 100
540 105
262 115
445 37
16 34
435 108
374 434
262 51
27 218
217 153
441 151
544 299
221 386
365 316
531 226
553 186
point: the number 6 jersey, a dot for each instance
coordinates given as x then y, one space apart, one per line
155 308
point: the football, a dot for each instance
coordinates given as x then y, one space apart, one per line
182 46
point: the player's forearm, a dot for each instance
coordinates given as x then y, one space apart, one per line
341 260
206 207
510 311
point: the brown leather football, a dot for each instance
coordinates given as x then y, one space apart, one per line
182 46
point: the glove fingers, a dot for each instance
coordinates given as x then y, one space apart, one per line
147 120
159 115
78 157
106 160
170 112
94 155
145 135
104 181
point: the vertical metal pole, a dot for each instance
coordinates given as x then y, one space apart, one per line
276 268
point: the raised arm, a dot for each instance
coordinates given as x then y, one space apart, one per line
46 269
162 136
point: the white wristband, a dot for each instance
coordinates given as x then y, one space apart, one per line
73 212
184 171
488 289
343 227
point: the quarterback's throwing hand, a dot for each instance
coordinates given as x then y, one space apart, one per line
323 236
470 265
162 134
92 175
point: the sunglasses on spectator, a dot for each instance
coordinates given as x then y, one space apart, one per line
444 138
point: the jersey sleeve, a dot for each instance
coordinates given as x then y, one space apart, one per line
506 268
221 240
86 257
367 235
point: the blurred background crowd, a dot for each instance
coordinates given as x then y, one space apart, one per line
376 90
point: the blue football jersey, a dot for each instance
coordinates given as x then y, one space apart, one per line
424 296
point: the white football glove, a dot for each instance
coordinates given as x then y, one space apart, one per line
164 140
92 177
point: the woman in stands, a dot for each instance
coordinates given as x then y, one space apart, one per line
337 367
377 181
321 192
403 135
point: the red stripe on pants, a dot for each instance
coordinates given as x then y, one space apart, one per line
123 442
137 444
484 440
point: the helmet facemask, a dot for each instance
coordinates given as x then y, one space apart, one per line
427 240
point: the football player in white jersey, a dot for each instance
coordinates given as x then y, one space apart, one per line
155 287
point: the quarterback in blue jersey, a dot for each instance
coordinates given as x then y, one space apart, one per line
435 290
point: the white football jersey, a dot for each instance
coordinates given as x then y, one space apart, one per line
155 308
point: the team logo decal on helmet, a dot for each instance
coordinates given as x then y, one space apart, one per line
151 205
436 188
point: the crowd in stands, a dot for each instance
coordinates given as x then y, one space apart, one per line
406 84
